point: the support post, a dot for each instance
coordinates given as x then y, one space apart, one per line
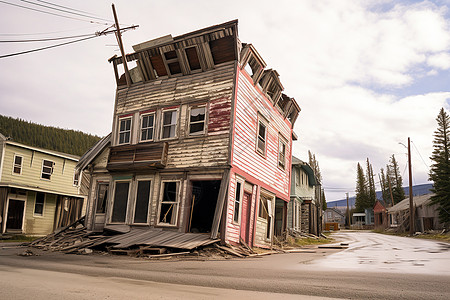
411 202
119 41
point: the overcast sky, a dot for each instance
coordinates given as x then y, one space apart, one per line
366 74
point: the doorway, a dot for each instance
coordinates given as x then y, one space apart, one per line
245 218
14 220
203 205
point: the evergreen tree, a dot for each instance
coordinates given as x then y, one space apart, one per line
440 169
372 194
385 194
324 201
394 177
314 164
362 196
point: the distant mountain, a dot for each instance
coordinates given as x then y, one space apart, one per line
418 190
47 137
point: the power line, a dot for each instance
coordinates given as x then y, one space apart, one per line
50 13
45 40
420 156
47 33
65 11
46 2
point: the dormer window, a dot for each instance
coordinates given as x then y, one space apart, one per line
252 63
192 57
172 62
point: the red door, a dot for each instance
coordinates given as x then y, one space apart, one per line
245 218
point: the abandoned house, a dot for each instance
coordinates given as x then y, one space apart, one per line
201 141
380 215
304 209
333 218
426 216
39 189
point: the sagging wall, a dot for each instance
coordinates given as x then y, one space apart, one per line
39 224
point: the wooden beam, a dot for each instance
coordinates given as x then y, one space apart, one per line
220 203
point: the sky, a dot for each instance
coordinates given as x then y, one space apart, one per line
366 74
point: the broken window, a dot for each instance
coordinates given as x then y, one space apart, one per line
119 211
39 204
47 169
142 201
124 130
17 167
169 124
168 205
254 68
76 178
192 56
263 209
102 197
147 124
197 120
282 152
262 135
237 202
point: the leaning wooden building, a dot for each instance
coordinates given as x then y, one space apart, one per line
201 141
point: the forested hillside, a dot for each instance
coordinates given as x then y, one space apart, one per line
62 140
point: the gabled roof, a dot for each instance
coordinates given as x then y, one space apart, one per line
42 150
296 162
92 153
336 211
404 204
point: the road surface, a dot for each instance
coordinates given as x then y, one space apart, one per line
373 267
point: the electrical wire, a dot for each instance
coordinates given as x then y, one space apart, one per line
48 47
45 40
421 156
54 14
47 33
53 4
66 11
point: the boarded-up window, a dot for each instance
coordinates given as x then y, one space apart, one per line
119 211
102 197
124 130
197 120
194 62
147 124
168 205
142 201
17 168
39 204
158 65
222 50
237 202
47 169
169 124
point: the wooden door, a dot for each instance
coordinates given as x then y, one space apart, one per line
245 218
15 214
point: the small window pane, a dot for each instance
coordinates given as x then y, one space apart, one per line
39 204
17 168
237 202
124 131
169 204
169 124
147 127
47 169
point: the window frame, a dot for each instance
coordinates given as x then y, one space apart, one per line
78 181
148 200
282 142
146 114
177 203
111 211
263 121
16 166
107 183
238 199
124 118
204 106
163 111
43 205
51 172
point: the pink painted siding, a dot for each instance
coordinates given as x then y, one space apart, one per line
249 102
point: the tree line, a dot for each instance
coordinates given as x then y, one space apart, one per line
391 180
47 137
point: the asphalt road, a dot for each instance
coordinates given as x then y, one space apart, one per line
373 267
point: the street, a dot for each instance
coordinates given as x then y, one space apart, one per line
374 266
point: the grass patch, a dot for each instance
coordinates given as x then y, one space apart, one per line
19 238
445 237
307 241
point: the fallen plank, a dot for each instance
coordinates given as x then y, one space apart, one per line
229 250
168 254
300 251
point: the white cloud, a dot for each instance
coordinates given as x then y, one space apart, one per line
440 61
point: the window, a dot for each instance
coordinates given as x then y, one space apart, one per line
39 204
17 167
168 205
119 211
194 62
172 62
124 130
297 177
197 120
76 178
169 124
263 207
47 169
237 202
142 201
262 135
281 152
147 125
102 197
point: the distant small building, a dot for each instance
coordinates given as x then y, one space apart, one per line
39 189
380 215
333 215
363 220
426 215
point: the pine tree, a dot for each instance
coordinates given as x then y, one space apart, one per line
362 196
394 177
372 194
440 169
324 201
385 194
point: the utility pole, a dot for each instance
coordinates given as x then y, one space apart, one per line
348 214
411 202
119 41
